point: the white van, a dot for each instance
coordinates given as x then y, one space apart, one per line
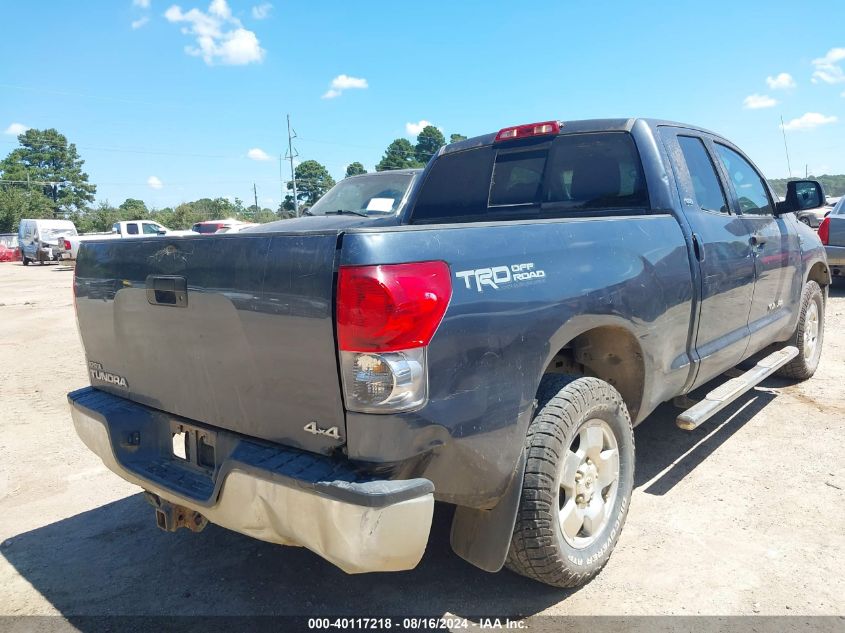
43 240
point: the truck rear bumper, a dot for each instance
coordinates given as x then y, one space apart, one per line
272 493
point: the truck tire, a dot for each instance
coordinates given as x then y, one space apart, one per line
809 335
579 476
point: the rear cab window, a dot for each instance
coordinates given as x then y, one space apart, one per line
563 176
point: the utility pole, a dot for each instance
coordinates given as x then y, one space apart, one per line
785 147
291 155
255 193
282 187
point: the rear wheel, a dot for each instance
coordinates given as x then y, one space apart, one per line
809 335
579 477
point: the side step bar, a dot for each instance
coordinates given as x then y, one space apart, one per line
724 394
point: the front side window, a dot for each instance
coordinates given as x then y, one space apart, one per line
151 229
705 182
748 184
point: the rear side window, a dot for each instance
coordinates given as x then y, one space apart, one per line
705 183
575 173
132 229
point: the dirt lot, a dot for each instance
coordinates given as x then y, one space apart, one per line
746 515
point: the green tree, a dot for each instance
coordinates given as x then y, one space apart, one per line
312 181
134 209
46 160
399 154
19 202
353 169
454 138
429 140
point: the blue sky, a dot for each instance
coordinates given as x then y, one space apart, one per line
165 100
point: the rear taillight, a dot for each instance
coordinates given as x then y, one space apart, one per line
66 245
824 231
524 131
386 316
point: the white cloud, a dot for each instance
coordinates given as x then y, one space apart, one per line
413 129
781 81
828 69
755 102
154 182
256 153
137 24
344 82
220 37
144 4
262 11
16 128
808 121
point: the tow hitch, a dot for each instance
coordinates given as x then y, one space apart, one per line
170 517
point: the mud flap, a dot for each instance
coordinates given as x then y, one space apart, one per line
483 537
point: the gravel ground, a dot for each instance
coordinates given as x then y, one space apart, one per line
746 515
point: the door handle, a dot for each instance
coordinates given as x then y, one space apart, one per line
757 240
697 248
167 290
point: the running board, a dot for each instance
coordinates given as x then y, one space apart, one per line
724 394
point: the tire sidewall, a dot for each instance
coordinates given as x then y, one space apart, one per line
814 295
596 554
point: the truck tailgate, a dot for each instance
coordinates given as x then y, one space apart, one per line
234 331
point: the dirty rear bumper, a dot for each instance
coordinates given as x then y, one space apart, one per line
272 493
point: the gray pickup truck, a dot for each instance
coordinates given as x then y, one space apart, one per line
484 333
832 235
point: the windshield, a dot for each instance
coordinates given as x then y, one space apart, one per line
373 194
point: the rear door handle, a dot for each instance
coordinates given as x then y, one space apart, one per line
167 290
697 248
757 240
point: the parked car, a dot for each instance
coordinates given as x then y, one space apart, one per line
813 217
486 335
832 235
43 240
237 228
10 250
216 226
125 229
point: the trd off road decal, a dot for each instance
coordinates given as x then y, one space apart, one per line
498 277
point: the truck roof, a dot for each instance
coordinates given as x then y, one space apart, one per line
580 126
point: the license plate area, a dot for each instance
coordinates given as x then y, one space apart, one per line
193 446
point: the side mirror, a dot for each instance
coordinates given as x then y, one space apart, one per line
802 195
161 232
